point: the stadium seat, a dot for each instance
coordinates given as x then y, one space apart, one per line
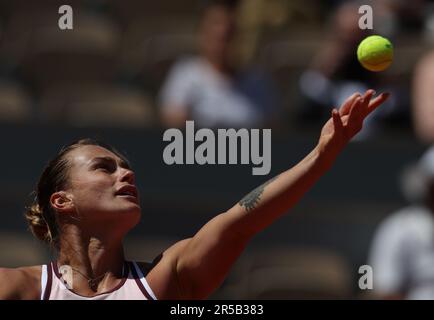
149 47
19 249
86 53
15 103
302 273
138 9
96 105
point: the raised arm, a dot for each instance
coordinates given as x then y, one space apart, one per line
202 262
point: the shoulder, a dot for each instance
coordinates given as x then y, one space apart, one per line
177 247
20 283
188 62
408 218
404 226
189 67
184 75
161 273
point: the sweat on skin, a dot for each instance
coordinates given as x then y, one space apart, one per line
205 153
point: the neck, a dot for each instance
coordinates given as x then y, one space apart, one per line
217 63
91 255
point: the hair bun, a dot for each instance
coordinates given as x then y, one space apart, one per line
38 225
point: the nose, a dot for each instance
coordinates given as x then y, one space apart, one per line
127 175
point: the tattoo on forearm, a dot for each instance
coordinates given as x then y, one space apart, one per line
251 200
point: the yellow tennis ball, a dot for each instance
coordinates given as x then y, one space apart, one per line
375 53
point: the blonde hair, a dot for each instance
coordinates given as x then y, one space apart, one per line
37 223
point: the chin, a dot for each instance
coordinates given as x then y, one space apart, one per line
128 218
135 214
128 211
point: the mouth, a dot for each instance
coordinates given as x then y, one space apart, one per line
128 192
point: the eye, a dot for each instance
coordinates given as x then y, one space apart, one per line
106 166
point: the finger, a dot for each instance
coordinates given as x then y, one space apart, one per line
364 108
337 121
369 93
346 107
355 111
368 96
374 104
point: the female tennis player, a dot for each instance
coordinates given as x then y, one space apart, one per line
87 202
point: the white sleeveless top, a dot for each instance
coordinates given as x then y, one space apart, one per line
132 287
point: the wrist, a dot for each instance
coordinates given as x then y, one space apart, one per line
325 156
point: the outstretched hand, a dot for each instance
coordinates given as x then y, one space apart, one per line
348 121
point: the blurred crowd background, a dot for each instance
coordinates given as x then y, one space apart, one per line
130 69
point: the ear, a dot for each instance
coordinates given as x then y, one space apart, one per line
62 201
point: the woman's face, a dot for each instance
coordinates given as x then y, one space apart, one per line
102 187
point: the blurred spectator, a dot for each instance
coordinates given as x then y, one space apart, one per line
402 253
15 103
335 70
423 95
210 88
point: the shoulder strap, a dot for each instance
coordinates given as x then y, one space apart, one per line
141 281
46 280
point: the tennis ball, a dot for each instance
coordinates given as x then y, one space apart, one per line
375 53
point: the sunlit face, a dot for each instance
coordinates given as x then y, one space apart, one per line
102 187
